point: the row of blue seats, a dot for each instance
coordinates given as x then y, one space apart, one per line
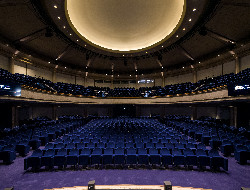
163 157
170 145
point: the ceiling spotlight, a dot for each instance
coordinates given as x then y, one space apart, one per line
59 18
199 62
65 67
194 9
161 46
183 67
162 67
130 75
106 74
190 20
218 55
55 6
184 29
177 36
123 55
49 62
146 52
64 26
77 40
70 34
85 45
118 75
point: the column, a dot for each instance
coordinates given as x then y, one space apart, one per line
30 112
54 76
194 113
11 65
233 116
14 116
237 64
54 112
194 76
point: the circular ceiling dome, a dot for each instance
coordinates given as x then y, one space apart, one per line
125 25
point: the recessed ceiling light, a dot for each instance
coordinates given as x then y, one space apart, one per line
106 74
190 20
49 62
194 9
146 52
162 67
130 75
55 6
65 67
199 62
177 36
184 29
59 18
70 34
219 55
85 45
64 26
161 46
118 75
77 40
123 55
183 67
141 74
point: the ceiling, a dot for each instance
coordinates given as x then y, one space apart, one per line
124 26
208 28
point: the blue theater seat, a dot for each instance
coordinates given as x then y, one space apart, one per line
119 156
178 157
23 148
48 158
227 147
84 157
241 154
143 157
96 156
34 160
190 157
60 159
131 156
217 161
72 157
203 158
154 157
166 157
107 157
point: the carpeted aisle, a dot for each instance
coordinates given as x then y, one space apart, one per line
14 175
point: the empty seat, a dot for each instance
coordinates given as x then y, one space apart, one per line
190 158
96 156
154 157
143 157
34 160
72 157
131 156
166 157
84 157
60 158
178 157
107 157
119 156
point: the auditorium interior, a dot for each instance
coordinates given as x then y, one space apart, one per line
124 94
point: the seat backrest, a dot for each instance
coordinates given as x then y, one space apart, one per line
97 151
131 151
201 152
108 151
49 152
62 152
153 151
74 152
176 152
164 151
37 152
119 151
142 151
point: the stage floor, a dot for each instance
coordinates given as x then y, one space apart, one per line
127 187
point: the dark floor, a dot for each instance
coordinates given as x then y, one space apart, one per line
14 175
